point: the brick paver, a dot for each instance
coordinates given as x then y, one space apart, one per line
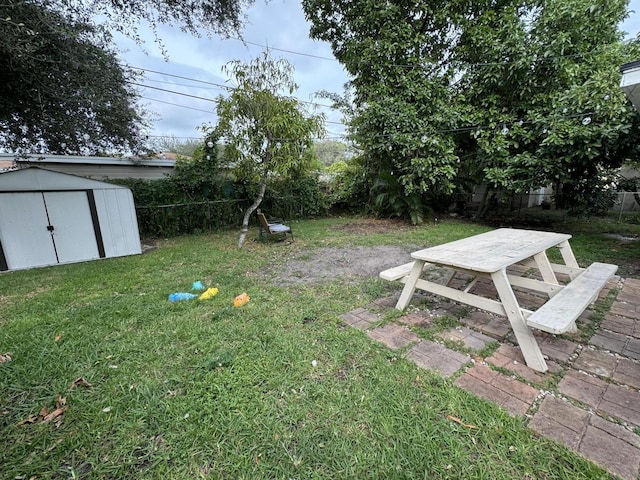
435 357
610 399
514 396
556 348
626 309
385 302
360 318
597 362
393 336
492 325
420 318
603 442
510 358
627 373
613 342
622 325
470 338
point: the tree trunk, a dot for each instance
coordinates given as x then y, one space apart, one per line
251 209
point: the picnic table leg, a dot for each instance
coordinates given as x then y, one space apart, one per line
528 345
568 256
410 285
544 265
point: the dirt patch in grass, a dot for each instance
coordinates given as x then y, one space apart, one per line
346 263
327 264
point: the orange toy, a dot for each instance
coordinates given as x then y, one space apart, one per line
240 300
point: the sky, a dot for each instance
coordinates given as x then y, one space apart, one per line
278 24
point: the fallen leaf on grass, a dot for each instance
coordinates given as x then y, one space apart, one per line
80 382
61 407
57 338
46 416
5 357
457 420
29 419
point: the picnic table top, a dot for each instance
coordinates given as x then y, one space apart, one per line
491 251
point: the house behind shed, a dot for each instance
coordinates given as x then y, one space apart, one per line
47 218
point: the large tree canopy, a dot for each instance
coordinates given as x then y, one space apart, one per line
219 16
516 93
63 88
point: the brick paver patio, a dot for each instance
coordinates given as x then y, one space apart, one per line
593 404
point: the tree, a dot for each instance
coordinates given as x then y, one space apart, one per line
63 90
265 131
331 151
401 113
543 81
219 16
172 144
516 93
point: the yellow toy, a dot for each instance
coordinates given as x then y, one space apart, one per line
208 293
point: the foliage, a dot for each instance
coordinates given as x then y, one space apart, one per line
331 151
64 90
176 145
390 199
265 131
348 188
555 111
217 16
400 111
448 95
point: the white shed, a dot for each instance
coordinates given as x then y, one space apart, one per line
49 217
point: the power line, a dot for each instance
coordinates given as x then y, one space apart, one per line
201 98
224 87
173 91
177 105
181 84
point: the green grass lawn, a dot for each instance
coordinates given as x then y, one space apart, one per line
201 389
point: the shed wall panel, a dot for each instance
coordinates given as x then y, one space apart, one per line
118 222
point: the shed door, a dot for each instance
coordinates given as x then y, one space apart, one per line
45 228
71 224
25 239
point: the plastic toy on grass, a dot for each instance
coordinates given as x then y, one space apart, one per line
241 300
209 293
176 297
198 286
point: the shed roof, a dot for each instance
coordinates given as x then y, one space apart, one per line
38 179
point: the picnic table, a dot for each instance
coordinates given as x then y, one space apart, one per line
492 255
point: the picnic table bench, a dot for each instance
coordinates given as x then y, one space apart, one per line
491 255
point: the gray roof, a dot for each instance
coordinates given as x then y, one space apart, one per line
37 179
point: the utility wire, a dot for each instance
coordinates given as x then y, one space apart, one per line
198 97
177 105
224 87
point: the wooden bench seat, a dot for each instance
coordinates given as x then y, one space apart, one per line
559 314
396 273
